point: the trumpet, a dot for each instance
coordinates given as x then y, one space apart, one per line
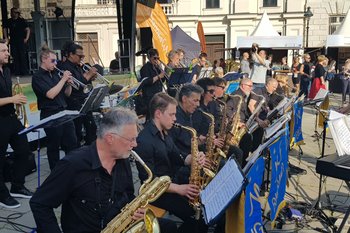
99 77
76 83
20 108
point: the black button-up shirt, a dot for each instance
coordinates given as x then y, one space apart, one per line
90 197
182 137
77 97
232 106
158 151
42 82
6 91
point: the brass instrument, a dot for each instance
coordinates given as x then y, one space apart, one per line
166 76
195 176
231 138
20 108
222 131
76 83
99 77
148 192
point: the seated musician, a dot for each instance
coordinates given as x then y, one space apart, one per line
51 91
75 56
174 59
95 182
259 93
244 91
154 82
159 152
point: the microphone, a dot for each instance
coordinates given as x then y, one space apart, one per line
313 102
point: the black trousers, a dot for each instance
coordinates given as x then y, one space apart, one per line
90 128
19 54
10 126
346 89
180 207
304 86
62 135
246 145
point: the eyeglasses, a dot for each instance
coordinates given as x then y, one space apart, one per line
248 85
54 61
155 58
211 91
131 140
222 87
80 55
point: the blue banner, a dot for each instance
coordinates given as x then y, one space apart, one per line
298 111
279 161
252 207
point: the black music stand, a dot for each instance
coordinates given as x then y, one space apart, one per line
180 76
92 101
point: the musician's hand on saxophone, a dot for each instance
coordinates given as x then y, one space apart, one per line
219 142
203 161
186 190
19 99
139 214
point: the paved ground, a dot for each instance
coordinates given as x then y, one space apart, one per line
303 188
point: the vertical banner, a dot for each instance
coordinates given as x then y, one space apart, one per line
279 161
252 209
201 37
296 124
157 21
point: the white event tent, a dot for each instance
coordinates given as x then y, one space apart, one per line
267 37
341 37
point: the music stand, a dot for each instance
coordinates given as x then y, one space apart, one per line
180 76
94 99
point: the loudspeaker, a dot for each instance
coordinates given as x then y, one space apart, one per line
146 39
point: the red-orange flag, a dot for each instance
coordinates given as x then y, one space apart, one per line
201 36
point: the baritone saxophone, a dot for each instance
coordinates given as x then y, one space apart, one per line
150 191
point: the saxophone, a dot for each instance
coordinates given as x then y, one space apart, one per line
231 136
222 131
195 176
148 192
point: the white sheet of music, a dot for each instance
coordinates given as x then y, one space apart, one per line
340 129
277 125
225 186
321 94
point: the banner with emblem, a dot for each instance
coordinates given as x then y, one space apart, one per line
279 165
296 124
252 208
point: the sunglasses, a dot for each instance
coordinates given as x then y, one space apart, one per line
80 55
54 61
155 58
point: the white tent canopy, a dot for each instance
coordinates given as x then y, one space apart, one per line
341 37
267 37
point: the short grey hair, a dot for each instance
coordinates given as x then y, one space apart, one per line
187 90
114 120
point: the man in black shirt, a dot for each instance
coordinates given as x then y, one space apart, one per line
75 54
51 90
10 126
92 183
159 152
305 72
17 32
153 80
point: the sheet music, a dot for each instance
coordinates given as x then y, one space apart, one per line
321 94
340 130
271 130
333 115
222 190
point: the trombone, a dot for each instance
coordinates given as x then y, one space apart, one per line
100 78
20 108
76 83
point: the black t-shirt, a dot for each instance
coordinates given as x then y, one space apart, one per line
319 71
17 30
114 65
6 91
42 82
149 89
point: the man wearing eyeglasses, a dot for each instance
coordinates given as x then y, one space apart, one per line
305 72
75 56
17 32
51 92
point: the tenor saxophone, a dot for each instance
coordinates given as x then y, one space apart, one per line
195 176
148 192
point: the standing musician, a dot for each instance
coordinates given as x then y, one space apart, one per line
154 82
75 54
182 58
10 126
159 152
174 59
266 92
51 90
198 67
95 181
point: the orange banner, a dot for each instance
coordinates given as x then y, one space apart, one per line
201 37
157 21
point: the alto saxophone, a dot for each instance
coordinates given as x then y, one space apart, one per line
148 192
195 176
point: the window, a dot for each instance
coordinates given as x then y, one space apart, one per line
105 2
269 3
334 22
212 3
